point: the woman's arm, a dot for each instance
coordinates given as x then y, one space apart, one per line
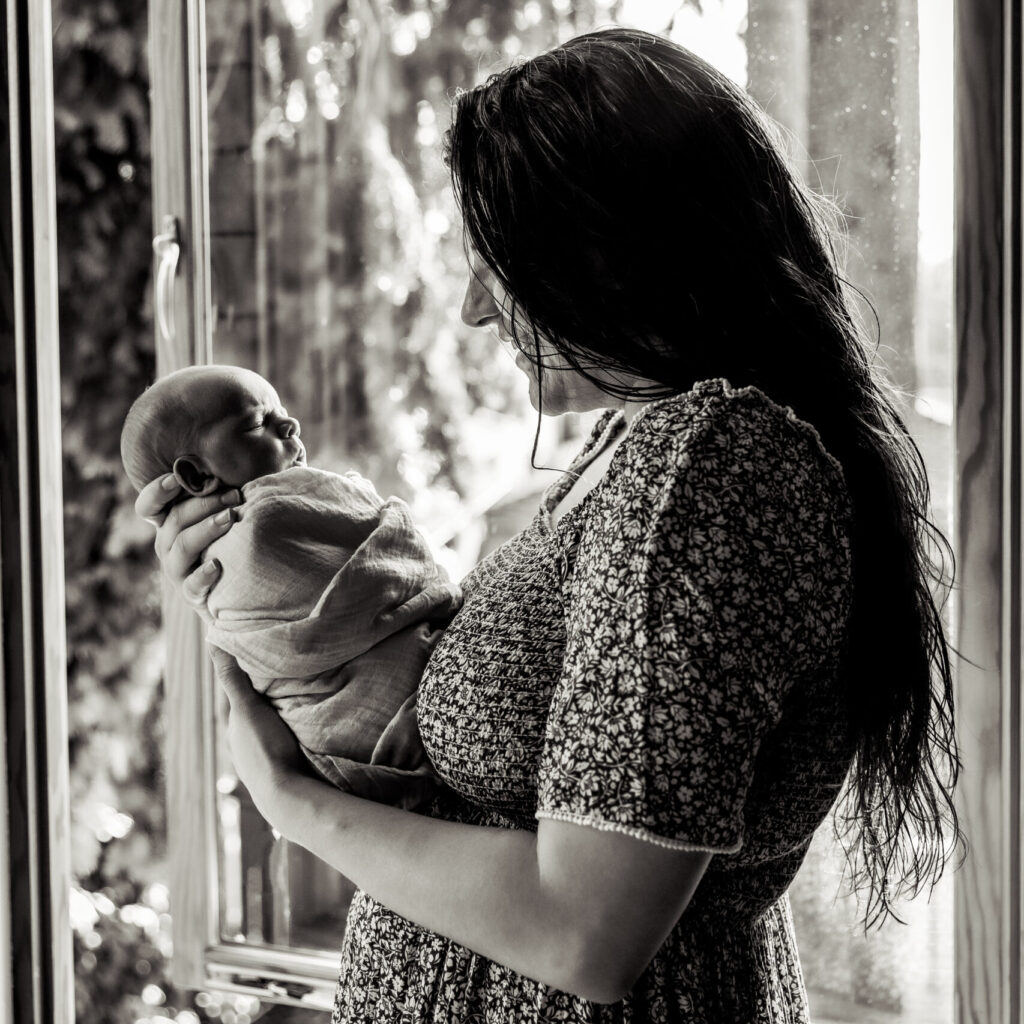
576 908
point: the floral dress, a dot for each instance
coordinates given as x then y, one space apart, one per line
666 662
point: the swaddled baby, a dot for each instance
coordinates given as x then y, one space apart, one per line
329 597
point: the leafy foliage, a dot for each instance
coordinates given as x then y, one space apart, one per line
103 209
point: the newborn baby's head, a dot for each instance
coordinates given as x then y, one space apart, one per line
214 427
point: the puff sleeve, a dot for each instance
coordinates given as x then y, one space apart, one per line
714 578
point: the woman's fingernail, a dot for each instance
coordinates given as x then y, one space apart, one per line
169 482
211 568
232 497
223 518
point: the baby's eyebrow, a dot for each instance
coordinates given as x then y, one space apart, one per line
232 408
247 406
262 407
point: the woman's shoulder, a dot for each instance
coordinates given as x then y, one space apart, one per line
725 483
716 428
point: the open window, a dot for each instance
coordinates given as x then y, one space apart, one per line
304 228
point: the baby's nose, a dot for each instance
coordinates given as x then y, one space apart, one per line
288 426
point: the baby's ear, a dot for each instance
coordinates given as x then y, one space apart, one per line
193 475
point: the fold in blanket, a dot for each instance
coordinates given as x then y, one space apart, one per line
332 603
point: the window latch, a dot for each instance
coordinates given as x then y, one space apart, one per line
167 247
289 992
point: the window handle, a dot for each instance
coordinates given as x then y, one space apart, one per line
167 247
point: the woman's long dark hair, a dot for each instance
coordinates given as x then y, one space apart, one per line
639 211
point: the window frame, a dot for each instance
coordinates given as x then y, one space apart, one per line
988 441
36 958
989 462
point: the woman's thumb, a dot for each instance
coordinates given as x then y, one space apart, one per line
234 681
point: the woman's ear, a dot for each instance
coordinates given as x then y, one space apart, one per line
190 471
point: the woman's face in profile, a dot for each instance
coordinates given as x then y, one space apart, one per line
487 305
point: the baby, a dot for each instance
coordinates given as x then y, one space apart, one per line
318 573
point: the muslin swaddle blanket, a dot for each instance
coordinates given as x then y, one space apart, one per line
311 567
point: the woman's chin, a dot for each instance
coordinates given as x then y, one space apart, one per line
544 409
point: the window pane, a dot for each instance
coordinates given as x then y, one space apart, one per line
866 90
338 273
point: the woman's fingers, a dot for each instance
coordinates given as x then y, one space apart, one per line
195 588
192 512
185 531
189 529
180 558
438 600
153 498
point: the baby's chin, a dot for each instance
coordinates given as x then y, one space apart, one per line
299 462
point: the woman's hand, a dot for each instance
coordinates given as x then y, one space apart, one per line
185 531
263 749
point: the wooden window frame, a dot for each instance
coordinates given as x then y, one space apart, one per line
989 462
36 969
989 444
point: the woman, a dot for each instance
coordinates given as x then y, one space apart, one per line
654 694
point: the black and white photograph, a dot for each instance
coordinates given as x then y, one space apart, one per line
511 512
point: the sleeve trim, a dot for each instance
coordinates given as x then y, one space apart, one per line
636 833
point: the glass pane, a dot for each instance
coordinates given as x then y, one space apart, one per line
866 90
338 274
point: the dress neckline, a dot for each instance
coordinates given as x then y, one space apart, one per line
605 429
613 425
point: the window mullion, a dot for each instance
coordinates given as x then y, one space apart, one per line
181 301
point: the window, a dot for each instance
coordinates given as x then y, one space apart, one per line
318 245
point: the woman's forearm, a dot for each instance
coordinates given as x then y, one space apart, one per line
480 886
580 909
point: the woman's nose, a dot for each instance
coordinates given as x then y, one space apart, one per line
478 306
